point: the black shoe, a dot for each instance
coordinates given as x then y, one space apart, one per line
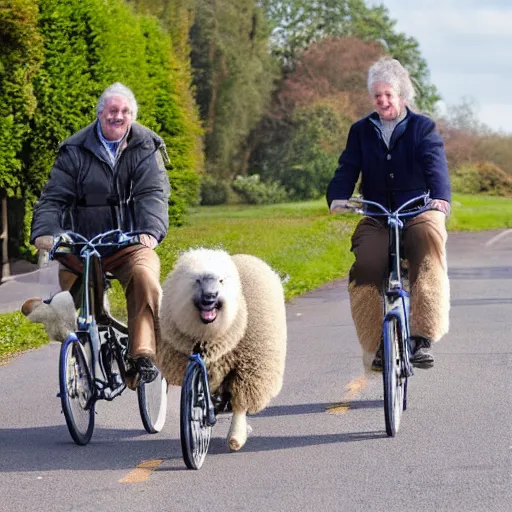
377 361
142 370
421 355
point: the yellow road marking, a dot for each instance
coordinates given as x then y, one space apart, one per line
141 473
340 408
353 388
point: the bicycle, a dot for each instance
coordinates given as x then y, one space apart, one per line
396 364
94 359
198 411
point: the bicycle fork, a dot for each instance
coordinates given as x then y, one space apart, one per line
399 312
210 409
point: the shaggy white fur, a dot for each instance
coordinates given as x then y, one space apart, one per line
243 338
58 317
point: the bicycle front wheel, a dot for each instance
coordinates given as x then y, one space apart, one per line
394 380
195 432
153 404
76 391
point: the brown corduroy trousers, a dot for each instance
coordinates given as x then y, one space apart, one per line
424 243
138 270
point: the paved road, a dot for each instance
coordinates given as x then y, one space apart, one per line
16 289
453 451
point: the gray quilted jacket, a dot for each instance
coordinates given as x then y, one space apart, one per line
88 194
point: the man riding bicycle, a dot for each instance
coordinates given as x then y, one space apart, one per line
111 175
400 155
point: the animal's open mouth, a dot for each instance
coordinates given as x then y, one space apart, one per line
208 316
208 309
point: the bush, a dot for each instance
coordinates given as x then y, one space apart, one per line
213 191
254 191
319 133
481 178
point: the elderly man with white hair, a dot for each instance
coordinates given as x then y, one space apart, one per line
112 175
399 155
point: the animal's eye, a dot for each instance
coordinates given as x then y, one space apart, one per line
221 281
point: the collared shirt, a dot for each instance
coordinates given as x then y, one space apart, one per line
111 146
387 127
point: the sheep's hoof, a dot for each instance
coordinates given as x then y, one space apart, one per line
235 443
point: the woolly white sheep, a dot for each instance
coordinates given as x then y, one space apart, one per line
233 307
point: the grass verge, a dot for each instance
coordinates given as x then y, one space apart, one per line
301 241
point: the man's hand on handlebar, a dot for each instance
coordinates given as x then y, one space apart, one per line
440 205
148 240
44 243
339 206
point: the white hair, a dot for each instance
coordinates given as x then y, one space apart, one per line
118 89
393 73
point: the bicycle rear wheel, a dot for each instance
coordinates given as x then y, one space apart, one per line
153 404
76 391
195 432
394 380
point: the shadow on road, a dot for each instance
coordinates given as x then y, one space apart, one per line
271 443
51 448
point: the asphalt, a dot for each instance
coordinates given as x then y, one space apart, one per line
17 288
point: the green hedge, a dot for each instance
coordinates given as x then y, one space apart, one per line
20 58
86 46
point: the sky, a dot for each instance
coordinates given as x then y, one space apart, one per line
468 48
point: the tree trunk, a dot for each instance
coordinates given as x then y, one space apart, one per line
4 239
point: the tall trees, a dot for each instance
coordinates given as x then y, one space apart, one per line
233 77
296 24
304 132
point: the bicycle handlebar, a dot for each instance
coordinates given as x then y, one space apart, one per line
71 242
384 211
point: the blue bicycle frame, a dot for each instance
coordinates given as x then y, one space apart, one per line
92 312
197 359
396 297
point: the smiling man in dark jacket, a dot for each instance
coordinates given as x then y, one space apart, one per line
399 155
111 175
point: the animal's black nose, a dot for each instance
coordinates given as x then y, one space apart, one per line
209 297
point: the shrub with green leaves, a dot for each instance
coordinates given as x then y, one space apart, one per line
481 178
254 191
319 134
61 59
18 334
20 58
214 191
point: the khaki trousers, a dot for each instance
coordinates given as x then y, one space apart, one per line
138 270
424 243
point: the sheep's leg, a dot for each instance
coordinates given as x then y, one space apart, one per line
238 431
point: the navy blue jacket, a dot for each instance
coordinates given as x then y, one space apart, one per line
415 162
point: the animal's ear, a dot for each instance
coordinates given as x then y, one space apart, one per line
31 305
